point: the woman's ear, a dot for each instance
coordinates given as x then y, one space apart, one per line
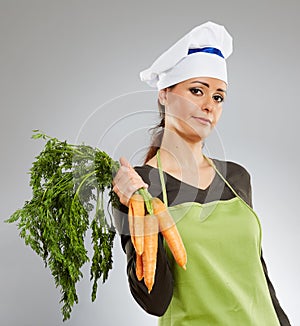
162 96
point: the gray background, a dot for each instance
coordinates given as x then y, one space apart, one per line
71 69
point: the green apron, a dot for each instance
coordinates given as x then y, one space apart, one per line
224 283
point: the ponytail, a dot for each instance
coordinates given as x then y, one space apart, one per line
157 131
157 134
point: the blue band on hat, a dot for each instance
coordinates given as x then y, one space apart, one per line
207 50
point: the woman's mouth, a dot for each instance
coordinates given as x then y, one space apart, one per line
203 121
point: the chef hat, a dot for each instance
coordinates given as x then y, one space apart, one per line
200 53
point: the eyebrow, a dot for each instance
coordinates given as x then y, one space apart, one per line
207 85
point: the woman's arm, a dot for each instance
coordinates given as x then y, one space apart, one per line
126 182
156 302
282 317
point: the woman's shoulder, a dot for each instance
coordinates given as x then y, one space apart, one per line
147 172
231 168
237 176
143 169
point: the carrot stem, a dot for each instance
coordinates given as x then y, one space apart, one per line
147 199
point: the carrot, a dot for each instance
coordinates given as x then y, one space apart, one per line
139 267
170 232
138 222
150 250
130 222
136 212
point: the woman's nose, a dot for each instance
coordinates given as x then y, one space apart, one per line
207 105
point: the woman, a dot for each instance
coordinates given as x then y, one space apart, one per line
226 280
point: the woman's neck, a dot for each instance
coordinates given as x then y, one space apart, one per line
185 161
179 154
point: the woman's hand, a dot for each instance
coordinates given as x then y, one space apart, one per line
127 181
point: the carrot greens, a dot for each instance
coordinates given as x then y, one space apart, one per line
68 185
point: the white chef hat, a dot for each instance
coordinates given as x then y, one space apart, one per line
200 53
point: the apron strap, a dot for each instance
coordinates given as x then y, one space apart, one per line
210 161
162 179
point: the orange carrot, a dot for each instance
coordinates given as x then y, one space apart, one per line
136 212
139 267
170 232
138 223
150 250
130 222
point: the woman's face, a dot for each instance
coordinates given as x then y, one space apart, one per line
193 107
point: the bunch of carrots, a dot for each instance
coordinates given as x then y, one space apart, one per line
144 228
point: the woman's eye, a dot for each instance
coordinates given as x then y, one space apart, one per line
218 98
196 91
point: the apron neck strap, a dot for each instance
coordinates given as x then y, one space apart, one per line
162 179
221 176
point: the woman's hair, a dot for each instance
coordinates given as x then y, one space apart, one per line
157 131
157 134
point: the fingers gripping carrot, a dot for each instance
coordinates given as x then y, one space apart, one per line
136 213
170 232
150 250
